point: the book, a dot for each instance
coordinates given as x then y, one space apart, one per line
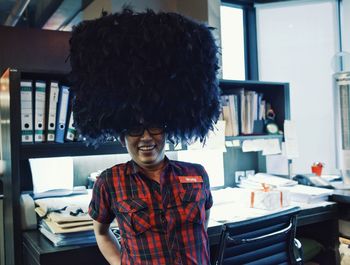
71 131
26 94
62 109
52 100
39 116
233 101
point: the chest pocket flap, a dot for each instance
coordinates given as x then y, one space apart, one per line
134 215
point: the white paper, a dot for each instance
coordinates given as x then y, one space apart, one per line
259 144
212 160
272 147
292 149
52 173
291 140
248 146
214 141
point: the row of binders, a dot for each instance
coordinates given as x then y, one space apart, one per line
244 113
46 114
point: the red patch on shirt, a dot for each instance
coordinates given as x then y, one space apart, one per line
190 179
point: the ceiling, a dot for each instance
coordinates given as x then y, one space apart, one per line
57 14
47 14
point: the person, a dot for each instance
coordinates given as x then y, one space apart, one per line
145 78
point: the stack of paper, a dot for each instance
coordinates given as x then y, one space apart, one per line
67 239
65 220
258 179
308 194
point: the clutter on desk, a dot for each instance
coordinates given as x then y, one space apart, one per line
65 220
269 199
258 179
59 204
264 198
309 194
92 178
312 180
297 193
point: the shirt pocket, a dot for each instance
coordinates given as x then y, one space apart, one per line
134 215
188 202
192 208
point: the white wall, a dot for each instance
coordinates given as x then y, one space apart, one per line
296 43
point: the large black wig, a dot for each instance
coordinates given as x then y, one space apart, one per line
158 67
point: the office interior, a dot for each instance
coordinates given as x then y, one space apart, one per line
293 52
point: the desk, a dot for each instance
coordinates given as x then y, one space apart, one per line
342 197
38 250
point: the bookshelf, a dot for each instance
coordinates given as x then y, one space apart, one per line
16 154
18 176
277 94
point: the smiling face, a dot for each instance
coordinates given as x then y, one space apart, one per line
147 150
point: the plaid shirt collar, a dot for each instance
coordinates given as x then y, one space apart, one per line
133 168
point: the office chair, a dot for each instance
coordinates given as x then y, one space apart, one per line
268 239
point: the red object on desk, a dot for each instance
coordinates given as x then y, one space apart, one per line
317 169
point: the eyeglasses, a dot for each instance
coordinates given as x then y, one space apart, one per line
153 129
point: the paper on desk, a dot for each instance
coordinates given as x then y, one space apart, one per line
234 212
52 173
269 179
308 194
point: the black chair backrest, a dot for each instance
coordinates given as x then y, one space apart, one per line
268 239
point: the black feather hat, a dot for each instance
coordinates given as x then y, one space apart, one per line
158 67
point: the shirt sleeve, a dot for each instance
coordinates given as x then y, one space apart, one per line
100 205
209 197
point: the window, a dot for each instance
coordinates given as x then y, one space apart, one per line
232 42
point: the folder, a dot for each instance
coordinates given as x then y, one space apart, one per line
62 109
52 101
234 114
26 111
71 131
39 117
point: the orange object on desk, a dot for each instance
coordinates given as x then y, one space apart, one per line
316 168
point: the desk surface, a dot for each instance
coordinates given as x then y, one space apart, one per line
41 245
342 196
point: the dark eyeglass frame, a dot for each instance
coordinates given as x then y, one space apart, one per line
152 129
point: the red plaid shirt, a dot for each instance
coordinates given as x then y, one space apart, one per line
159 223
